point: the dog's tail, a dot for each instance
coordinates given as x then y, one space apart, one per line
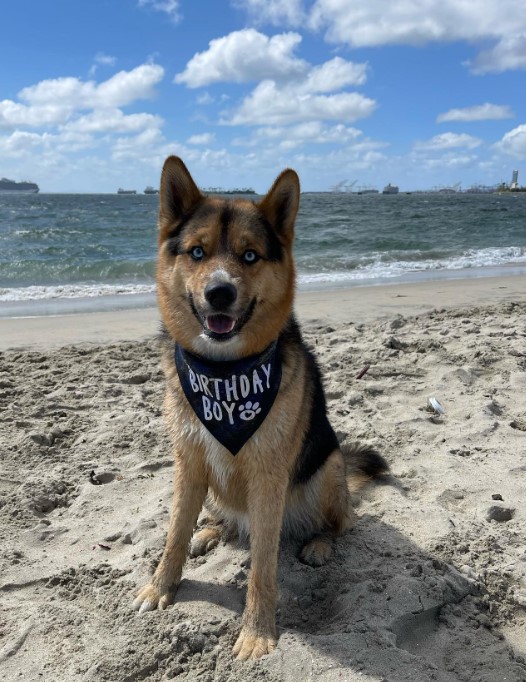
362 463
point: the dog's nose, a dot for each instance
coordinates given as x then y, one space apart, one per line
220 295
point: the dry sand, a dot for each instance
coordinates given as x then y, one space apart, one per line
429 585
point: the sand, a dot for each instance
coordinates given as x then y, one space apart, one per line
429 585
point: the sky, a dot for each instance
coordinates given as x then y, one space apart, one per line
418 93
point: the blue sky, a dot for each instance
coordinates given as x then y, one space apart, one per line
420 93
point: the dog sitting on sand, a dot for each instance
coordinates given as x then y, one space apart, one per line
244 403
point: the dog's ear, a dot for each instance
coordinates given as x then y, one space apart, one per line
179 194
281 203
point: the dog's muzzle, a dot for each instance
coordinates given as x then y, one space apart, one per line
219 324
220 296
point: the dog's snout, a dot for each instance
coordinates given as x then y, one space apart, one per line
220 294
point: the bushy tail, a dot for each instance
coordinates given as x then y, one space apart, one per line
362 463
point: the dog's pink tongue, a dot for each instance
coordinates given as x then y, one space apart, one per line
220 324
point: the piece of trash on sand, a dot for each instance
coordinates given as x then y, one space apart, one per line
433 405
363 371
94 479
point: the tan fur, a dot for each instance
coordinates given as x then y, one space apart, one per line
239 490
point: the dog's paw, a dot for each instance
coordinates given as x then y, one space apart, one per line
316 552
251 644
151 597
204 541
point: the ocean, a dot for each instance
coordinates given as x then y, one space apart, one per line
101 248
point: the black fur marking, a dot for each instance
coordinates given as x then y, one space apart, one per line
174 201
174 238
366 459
175 247
225 220
320 440
274 250
282 213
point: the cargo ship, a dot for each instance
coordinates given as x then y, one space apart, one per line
12 187
126 191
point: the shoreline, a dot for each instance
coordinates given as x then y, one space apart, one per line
355 304
125 300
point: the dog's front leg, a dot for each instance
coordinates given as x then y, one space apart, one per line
266 508
190 488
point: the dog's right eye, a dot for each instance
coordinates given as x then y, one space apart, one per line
197 253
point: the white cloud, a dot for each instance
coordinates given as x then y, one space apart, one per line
338 163
448 141
56 119
138 146
451 161
104 59
514 142
290 89
20 142
24 145
244 56
289 137
334 75
113 120
366 23
101 59
480 112
204 138
415 22
15 115
269 103
119 90
276 12
204 99
508 53
169 7
56 101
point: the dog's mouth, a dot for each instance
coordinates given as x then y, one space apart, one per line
220 326
220 323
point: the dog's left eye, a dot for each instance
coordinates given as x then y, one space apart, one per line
197 253
250 257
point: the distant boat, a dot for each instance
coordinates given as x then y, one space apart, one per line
12 187
367 190
390 189
126 191
151 190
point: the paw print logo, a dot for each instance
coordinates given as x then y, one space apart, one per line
249 410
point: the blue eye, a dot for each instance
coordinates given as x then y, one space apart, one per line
197 253
250 257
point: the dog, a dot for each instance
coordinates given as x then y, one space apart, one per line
244 401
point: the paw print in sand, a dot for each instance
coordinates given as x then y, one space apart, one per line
249 410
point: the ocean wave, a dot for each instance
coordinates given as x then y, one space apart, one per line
37 293
372 267
378 266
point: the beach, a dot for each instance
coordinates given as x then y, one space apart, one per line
429 585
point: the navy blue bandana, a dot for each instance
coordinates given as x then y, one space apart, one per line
232 397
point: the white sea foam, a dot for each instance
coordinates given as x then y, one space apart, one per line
380 268
37 293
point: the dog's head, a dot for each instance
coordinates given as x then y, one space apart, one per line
225 272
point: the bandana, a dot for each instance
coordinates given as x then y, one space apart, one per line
231 398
